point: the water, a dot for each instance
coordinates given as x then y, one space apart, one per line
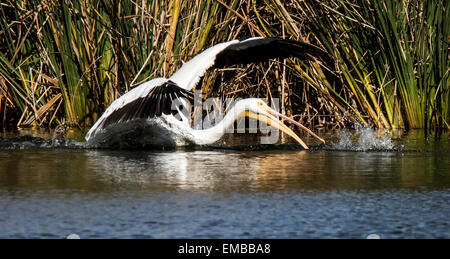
361 183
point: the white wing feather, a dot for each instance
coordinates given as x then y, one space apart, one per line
190 73
186 77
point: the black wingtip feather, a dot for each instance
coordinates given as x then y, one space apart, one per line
157 102
263 49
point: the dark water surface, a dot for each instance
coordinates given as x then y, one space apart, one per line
349 189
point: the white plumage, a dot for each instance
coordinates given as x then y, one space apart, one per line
145 115
190 72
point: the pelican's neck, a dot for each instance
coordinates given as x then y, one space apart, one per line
213 134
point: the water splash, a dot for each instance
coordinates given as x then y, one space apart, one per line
29 142
360 139
363 138
58 133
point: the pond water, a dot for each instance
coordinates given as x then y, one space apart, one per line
357 185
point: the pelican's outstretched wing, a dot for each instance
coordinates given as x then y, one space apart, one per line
143 102
244 52
155 97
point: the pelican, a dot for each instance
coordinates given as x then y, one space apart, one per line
145 116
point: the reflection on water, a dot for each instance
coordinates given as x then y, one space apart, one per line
222 171
276 191
171 170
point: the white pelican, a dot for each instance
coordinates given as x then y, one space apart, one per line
145 116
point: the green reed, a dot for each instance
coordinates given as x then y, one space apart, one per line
90 52
392 56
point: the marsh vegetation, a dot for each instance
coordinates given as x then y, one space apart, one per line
66 61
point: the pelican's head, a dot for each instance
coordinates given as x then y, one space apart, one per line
257 109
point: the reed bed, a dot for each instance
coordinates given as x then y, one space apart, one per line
392 55
64 62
